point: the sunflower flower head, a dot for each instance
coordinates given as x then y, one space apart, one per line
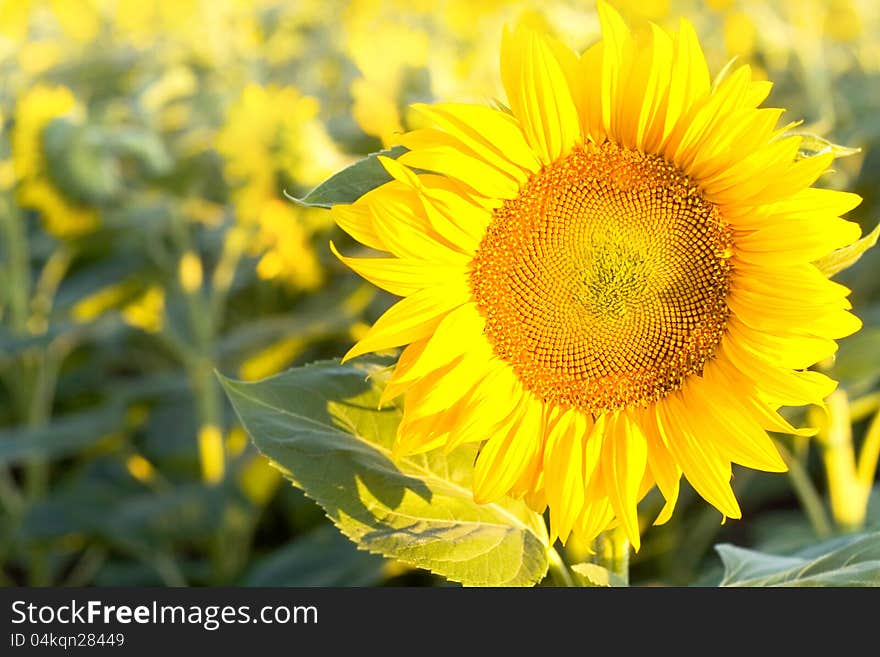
610 285
35 110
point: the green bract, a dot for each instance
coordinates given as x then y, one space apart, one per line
352 182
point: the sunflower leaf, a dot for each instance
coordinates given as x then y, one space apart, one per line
852 560
321 426
847 256
592 574
348 185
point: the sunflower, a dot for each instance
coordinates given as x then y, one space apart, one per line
608 285
266 142
35 110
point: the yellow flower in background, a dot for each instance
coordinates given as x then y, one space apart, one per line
610 286
272 139
273 142
407 50
740 34
283 239
842 21
34 111
79 20
385 41
146 312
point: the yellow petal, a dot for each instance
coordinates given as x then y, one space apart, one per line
791 350
782 386
488 406
564 471
624 458
689 138
590 90
505 456
411 319
616 54
402 276
796 240
356 221
663 467
450 161
652 112
459 332
408 357
538 93
719 417
489 133
689 81
401 222
748 130
753 401
706 470
453 214
596 517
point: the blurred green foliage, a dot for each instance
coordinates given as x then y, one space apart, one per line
146 242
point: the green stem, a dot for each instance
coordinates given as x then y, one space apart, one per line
234 244
204 316
18 273
806 492
32 363
862 407
201 368
870 454
611 551
559 572
88 565
848 497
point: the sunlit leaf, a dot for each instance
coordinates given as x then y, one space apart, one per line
849 255
321 426
846 561
595 575
351 183
813 145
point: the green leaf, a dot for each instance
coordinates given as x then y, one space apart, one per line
852 560
595 575
322 557
847 256
80 161
813 145
321 426
351 183
64 436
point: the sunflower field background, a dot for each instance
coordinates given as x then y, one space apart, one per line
147 150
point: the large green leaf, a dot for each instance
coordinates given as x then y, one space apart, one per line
321 426
852 560
351 183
